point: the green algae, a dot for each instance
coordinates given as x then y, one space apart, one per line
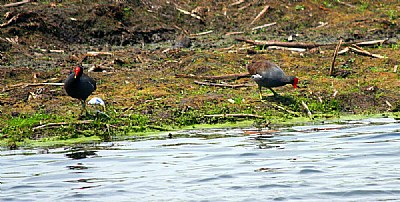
273 122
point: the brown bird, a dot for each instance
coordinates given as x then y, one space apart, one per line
269 75
79 85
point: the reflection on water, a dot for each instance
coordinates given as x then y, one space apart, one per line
354 161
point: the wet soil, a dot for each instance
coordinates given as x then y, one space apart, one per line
145 43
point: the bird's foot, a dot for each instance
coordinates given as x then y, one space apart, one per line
101 115
84 115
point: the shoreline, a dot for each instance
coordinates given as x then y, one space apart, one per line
57 141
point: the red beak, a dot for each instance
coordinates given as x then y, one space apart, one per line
296 80
76 71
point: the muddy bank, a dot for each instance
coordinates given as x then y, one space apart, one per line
138 47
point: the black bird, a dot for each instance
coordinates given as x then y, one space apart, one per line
269 75
79 85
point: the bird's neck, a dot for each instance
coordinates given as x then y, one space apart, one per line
288 79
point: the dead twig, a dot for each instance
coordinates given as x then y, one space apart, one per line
371 43
48 125
24 85
203 33
321 24
345 50
260 14
362 51
16 3
236 3
35 84
389 105
334 57
303 44
14 40
244 7
44 84
220 77
284 44
335 92
233 33
223 85
10 21
283 109
306 108
188 13
263 26
286 48
346 4
235 115
51 51
95 53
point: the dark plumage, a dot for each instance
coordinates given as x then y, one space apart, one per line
79 85
269 75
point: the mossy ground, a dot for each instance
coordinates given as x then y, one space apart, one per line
139 84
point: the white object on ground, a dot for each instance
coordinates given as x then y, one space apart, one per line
96 101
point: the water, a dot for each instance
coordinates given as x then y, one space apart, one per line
355 161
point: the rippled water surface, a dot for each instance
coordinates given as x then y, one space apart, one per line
354 161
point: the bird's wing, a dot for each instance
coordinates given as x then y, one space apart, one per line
273 72
92 83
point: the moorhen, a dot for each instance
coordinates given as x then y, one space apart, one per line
267 74
79 85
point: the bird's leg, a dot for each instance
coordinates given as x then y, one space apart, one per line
259 88
275 94
83 107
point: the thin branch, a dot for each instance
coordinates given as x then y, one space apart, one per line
189 13
10 21
346 4
233 33
335 92
370 43
334 57
220 77
16 3
321 24
236 3
304 44
345 50
263 26
96 53
260 14
361 51
24 85
279 43
389 105
44 84
286 48
203 33
244 7
306 108
223 85
235 115
284 109
48 125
